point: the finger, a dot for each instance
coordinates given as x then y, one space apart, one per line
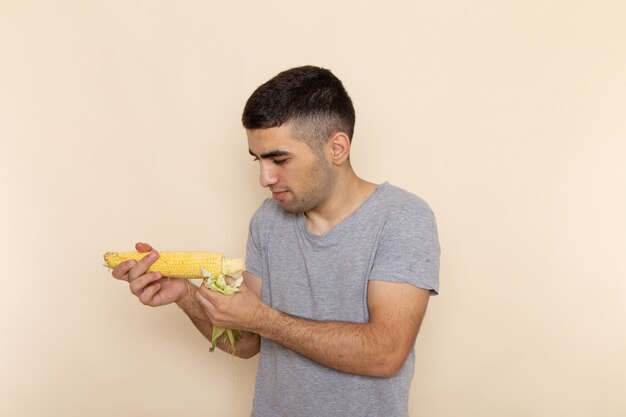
206 293
148 294
121 271
203 302
137 286
142 265
143 247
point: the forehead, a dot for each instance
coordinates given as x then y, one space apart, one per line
261 141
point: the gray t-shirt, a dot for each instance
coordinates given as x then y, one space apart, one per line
392 237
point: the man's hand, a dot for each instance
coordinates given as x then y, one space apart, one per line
238 311
151 288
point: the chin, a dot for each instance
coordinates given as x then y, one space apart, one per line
292 210
294 207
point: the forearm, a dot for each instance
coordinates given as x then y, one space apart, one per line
360 348
247 346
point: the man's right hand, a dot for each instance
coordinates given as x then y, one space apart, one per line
151 288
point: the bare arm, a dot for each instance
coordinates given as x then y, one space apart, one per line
377 348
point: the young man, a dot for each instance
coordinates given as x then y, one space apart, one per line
338 270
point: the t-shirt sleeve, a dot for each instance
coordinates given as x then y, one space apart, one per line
254 251
408 249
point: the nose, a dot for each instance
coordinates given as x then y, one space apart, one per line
267 176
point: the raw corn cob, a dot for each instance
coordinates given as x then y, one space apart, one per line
182 264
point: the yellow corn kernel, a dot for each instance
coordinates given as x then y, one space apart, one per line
181 264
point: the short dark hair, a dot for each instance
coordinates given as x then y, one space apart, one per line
310 97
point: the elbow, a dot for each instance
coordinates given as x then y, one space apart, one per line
247 347
389 365
388 371
243 353
388 356
246 355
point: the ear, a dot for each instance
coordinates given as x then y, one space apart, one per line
338 147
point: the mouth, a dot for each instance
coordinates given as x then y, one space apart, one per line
278 194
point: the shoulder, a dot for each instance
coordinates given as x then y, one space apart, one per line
405 213
395 200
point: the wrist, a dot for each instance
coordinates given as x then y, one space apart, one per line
186 300
264 317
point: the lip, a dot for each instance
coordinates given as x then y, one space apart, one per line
278 195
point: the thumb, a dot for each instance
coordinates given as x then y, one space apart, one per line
143 247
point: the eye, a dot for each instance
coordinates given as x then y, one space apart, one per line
279 161
256 158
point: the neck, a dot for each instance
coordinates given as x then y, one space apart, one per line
347 195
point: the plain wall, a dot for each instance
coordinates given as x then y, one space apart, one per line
120 122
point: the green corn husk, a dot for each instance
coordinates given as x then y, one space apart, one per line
220 285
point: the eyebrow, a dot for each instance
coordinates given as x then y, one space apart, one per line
271 154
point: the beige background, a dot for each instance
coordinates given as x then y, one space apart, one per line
119 122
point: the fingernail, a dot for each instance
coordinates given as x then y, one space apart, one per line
152 255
